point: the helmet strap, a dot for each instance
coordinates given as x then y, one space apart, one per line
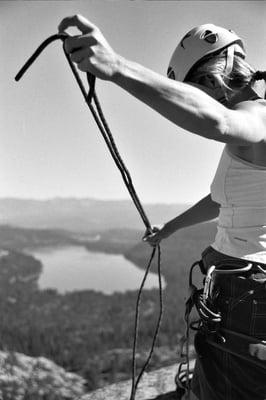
229 60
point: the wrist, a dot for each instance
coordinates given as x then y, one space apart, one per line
118 68
166 230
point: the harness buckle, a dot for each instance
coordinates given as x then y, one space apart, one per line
208 284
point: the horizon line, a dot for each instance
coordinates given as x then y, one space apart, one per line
78 198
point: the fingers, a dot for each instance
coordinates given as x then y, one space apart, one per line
80 54
84 65
77 21
89 50
73 43
152 238
151 243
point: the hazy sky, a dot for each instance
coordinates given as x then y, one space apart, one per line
49 144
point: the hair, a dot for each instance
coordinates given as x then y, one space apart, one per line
242 74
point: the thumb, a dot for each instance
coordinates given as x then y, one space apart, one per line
77 21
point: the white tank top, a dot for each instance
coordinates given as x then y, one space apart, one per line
240 189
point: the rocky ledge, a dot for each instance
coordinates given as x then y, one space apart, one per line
159 384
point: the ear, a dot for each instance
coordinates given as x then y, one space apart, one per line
206 89
208 81
211 82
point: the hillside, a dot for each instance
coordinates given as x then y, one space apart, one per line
81 215
87 332
17 238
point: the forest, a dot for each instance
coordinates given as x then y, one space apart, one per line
88 332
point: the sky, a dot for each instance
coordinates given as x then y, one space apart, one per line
49 144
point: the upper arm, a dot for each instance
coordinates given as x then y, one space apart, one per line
245 124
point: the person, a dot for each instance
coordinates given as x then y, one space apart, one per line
210 91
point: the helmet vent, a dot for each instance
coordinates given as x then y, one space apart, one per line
210 37
170 73
185 37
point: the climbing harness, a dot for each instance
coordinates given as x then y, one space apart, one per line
209 322
93 103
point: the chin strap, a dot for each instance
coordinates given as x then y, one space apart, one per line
230 51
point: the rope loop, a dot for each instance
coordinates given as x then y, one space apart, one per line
93 103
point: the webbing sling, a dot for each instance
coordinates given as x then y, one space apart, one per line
100 120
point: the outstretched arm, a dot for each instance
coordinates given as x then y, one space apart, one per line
205 210
184 104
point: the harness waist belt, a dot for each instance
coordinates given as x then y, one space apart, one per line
238 345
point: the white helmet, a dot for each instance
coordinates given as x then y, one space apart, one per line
202 42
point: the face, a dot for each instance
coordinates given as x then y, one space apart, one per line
210 82
212 87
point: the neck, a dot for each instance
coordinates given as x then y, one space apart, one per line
243 95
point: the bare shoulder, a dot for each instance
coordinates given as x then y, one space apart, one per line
255 153
256 105
249 122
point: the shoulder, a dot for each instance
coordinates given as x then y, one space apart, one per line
257 105
255 101
251 116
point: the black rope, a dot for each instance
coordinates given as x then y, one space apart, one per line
108 138
98 117
37 52
184 373
135 381
101 122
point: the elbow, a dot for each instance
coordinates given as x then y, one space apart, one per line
214 128
221 129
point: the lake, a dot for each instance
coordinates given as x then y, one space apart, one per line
76 268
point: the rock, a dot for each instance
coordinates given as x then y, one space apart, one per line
37 378
153 384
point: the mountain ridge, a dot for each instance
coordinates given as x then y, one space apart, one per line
82 214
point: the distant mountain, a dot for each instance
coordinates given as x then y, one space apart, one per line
81 215
18 238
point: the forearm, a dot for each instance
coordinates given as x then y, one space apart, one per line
183 104
205 210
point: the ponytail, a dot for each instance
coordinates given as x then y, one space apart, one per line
260 75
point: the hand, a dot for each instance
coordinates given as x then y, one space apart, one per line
154 238
90 50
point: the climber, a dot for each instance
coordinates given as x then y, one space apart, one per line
210 91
